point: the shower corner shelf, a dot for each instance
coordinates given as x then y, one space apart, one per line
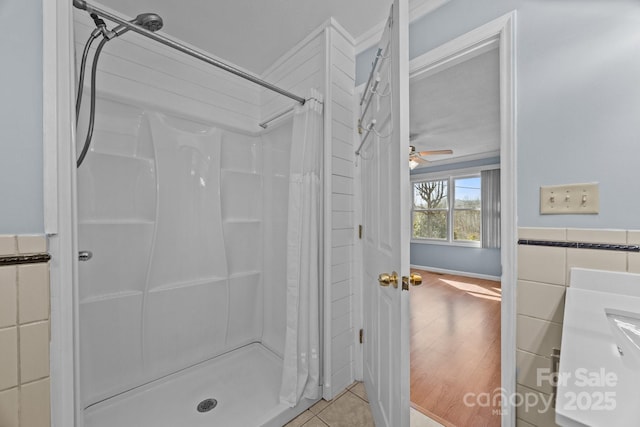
242 221
187 284
128 221
122 156
240 171
240 274
105 297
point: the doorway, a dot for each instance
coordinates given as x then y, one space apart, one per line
463 167
455 348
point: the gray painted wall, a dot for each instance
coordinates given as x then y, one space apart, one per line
458 258
578 97
21 205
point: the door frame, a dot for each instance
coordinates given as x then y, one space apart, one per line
500 34
59 189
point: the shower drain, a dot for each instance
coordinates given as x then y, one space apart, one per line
207 405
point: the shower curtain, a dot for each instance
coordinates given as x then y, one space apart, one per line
301 369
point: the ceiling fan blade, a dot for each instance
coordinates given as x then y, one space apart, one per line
434 152
418 159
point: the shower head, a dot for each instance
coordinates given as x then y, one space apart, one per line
149 21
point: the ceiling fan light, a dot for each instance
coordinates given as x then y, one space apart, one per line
413 164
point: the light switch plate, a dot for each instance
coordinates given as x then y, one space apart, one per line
570 199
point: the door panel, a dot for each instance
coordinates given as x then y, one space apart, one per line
384 172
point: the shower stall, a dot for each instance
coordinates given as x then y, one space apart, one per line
190 311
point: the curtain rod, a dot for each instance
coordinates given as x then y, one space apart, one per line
284 113
84 5
276 116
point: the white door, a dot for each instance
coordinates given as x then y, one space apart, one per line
386 200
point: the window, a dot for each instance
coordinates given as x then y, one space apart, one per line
466 209
448 210
430 210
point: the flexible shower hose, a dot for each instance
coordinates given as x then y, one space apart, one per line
83 63
92 112
100 30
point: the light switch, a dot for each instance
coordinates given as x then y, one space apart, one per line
570 199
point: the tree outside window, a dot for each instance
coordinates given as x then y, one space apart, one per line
447 209
431 207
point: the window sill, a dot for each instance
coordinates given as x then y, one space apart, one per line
445 243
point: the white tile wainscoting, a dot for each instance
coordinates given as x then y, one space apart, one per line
543 275
24 335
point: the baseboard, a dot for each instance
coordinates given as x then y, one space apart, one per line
457 273
429 414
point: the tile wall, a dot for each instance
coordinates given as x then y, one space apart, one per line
24 336
543 275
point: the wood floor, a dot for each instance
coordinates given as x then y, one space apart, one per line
455 348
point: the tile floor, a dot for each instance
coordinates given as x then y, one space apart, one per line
349 409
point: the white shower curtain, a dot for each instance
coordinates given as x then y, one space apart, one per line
301 371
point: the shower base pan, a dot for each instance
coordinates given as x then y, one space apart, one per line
244 383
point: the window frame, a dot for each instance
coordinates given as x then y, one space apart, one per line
452 209
450 176
447 210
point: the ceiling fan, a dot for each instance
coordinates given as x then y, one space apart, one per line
416 157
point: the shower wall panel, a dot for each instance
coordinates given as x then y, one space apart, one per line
185 312
188 247
276 148
116 221
170 203
242 219
175 278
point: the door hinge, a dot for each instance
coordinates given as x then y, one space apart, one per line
361 336
360 232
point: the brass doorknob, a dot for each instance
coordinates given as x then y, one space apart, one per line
415 279
386 279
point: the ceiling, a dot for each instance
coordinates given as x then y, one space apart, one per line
254 33
458 108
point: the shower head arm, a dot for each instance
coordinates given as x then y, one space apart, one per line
82 4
